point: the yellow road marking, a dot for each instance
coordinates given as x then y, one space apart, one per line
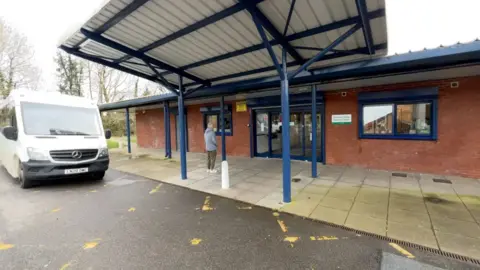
131 209
65 266
56 210
276 214
402 250
206 205
244 207
323 238
282 226
291 240
93 190
156 189
195 241
92 244
5 246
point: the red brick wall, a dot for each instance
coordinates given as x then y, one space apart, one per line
457 150
237 145
150 131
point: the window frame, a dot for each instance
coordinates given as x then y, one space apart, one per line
395 135
218 132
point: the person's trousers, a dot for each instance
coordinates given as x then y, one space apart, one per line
211 156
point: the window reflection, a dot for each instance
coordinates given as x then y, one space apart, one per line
378 119
414 118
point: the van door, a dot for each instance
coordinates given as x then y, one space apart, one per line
9 158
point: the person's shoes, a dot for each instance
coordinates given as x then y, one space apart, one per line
209 171
213 171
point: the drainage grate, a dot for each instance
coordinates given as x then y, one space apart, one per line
406 244
296 180
397 174
445 181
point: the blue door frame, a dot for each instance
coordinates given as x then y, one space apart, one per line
306 109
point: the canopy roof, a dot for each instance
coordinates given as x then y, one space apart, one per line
212 42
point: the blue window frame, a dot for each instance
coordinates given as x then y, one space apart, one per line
405 115
212 115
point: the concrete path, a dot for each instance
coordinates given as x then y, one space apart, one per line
129 222
404 206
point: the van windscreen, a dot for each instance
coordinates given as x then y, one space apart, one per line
49 119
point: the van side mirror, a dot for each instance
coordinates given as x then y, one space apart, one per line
11 133
108 134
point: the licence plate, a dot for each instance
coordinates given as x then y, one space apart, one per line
75 171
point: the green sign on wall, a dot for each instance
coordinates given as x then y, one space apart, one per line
341 119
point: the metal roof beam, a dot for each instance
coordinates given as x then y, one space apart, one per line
110 64
267 46
294 63
306 33
162 79
116 18
255 12
126 50
289 17
192 28
321 54
332 50
367 30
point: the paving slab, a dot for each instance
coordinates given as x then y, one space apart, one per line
449 210
411 233
336 203
335 216
371 210
458 227
343 193
410 205
419 219
322 182
377 182
369 194
366 223
459 244
316 189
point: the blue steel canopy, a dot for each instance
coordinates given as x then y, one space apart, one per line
213 42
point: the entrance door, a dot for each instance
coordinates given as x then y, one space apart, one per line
309 135
262 133
269 134
177 130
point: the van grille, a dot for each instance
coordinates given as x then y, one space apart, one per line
74 155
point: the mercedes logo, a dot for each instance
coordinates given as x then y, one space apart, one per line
76 154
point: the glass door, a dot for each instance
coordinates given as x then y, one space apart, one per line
262 133
297 140
309 135
276 137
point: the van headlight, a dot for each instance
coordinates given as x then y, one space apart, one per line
103 152
37 154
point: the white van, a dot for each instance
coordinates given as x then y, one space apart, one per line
48 135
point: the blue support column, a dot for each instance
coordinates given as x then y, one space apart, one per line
168 140
285 133
314 132
127 123
181 117
222 126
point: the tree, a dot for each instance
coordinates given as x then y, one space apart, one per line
69 74
17 69
135 89
146 92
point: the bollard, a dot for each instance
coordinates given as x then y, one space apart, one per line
225 177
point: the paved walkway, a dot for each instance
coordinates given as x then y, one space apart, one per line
409 207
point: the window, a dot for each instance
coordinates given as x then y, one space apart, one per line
409 114
7 116
214 119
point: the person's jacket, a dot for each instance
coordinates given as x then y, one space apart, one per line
210 140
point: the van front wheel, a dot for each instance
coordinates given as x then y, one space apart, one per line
22 179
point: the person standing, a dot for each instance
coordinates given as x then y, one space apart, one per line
211 147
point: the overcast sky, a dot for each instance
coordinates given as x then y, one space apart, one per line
412 24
